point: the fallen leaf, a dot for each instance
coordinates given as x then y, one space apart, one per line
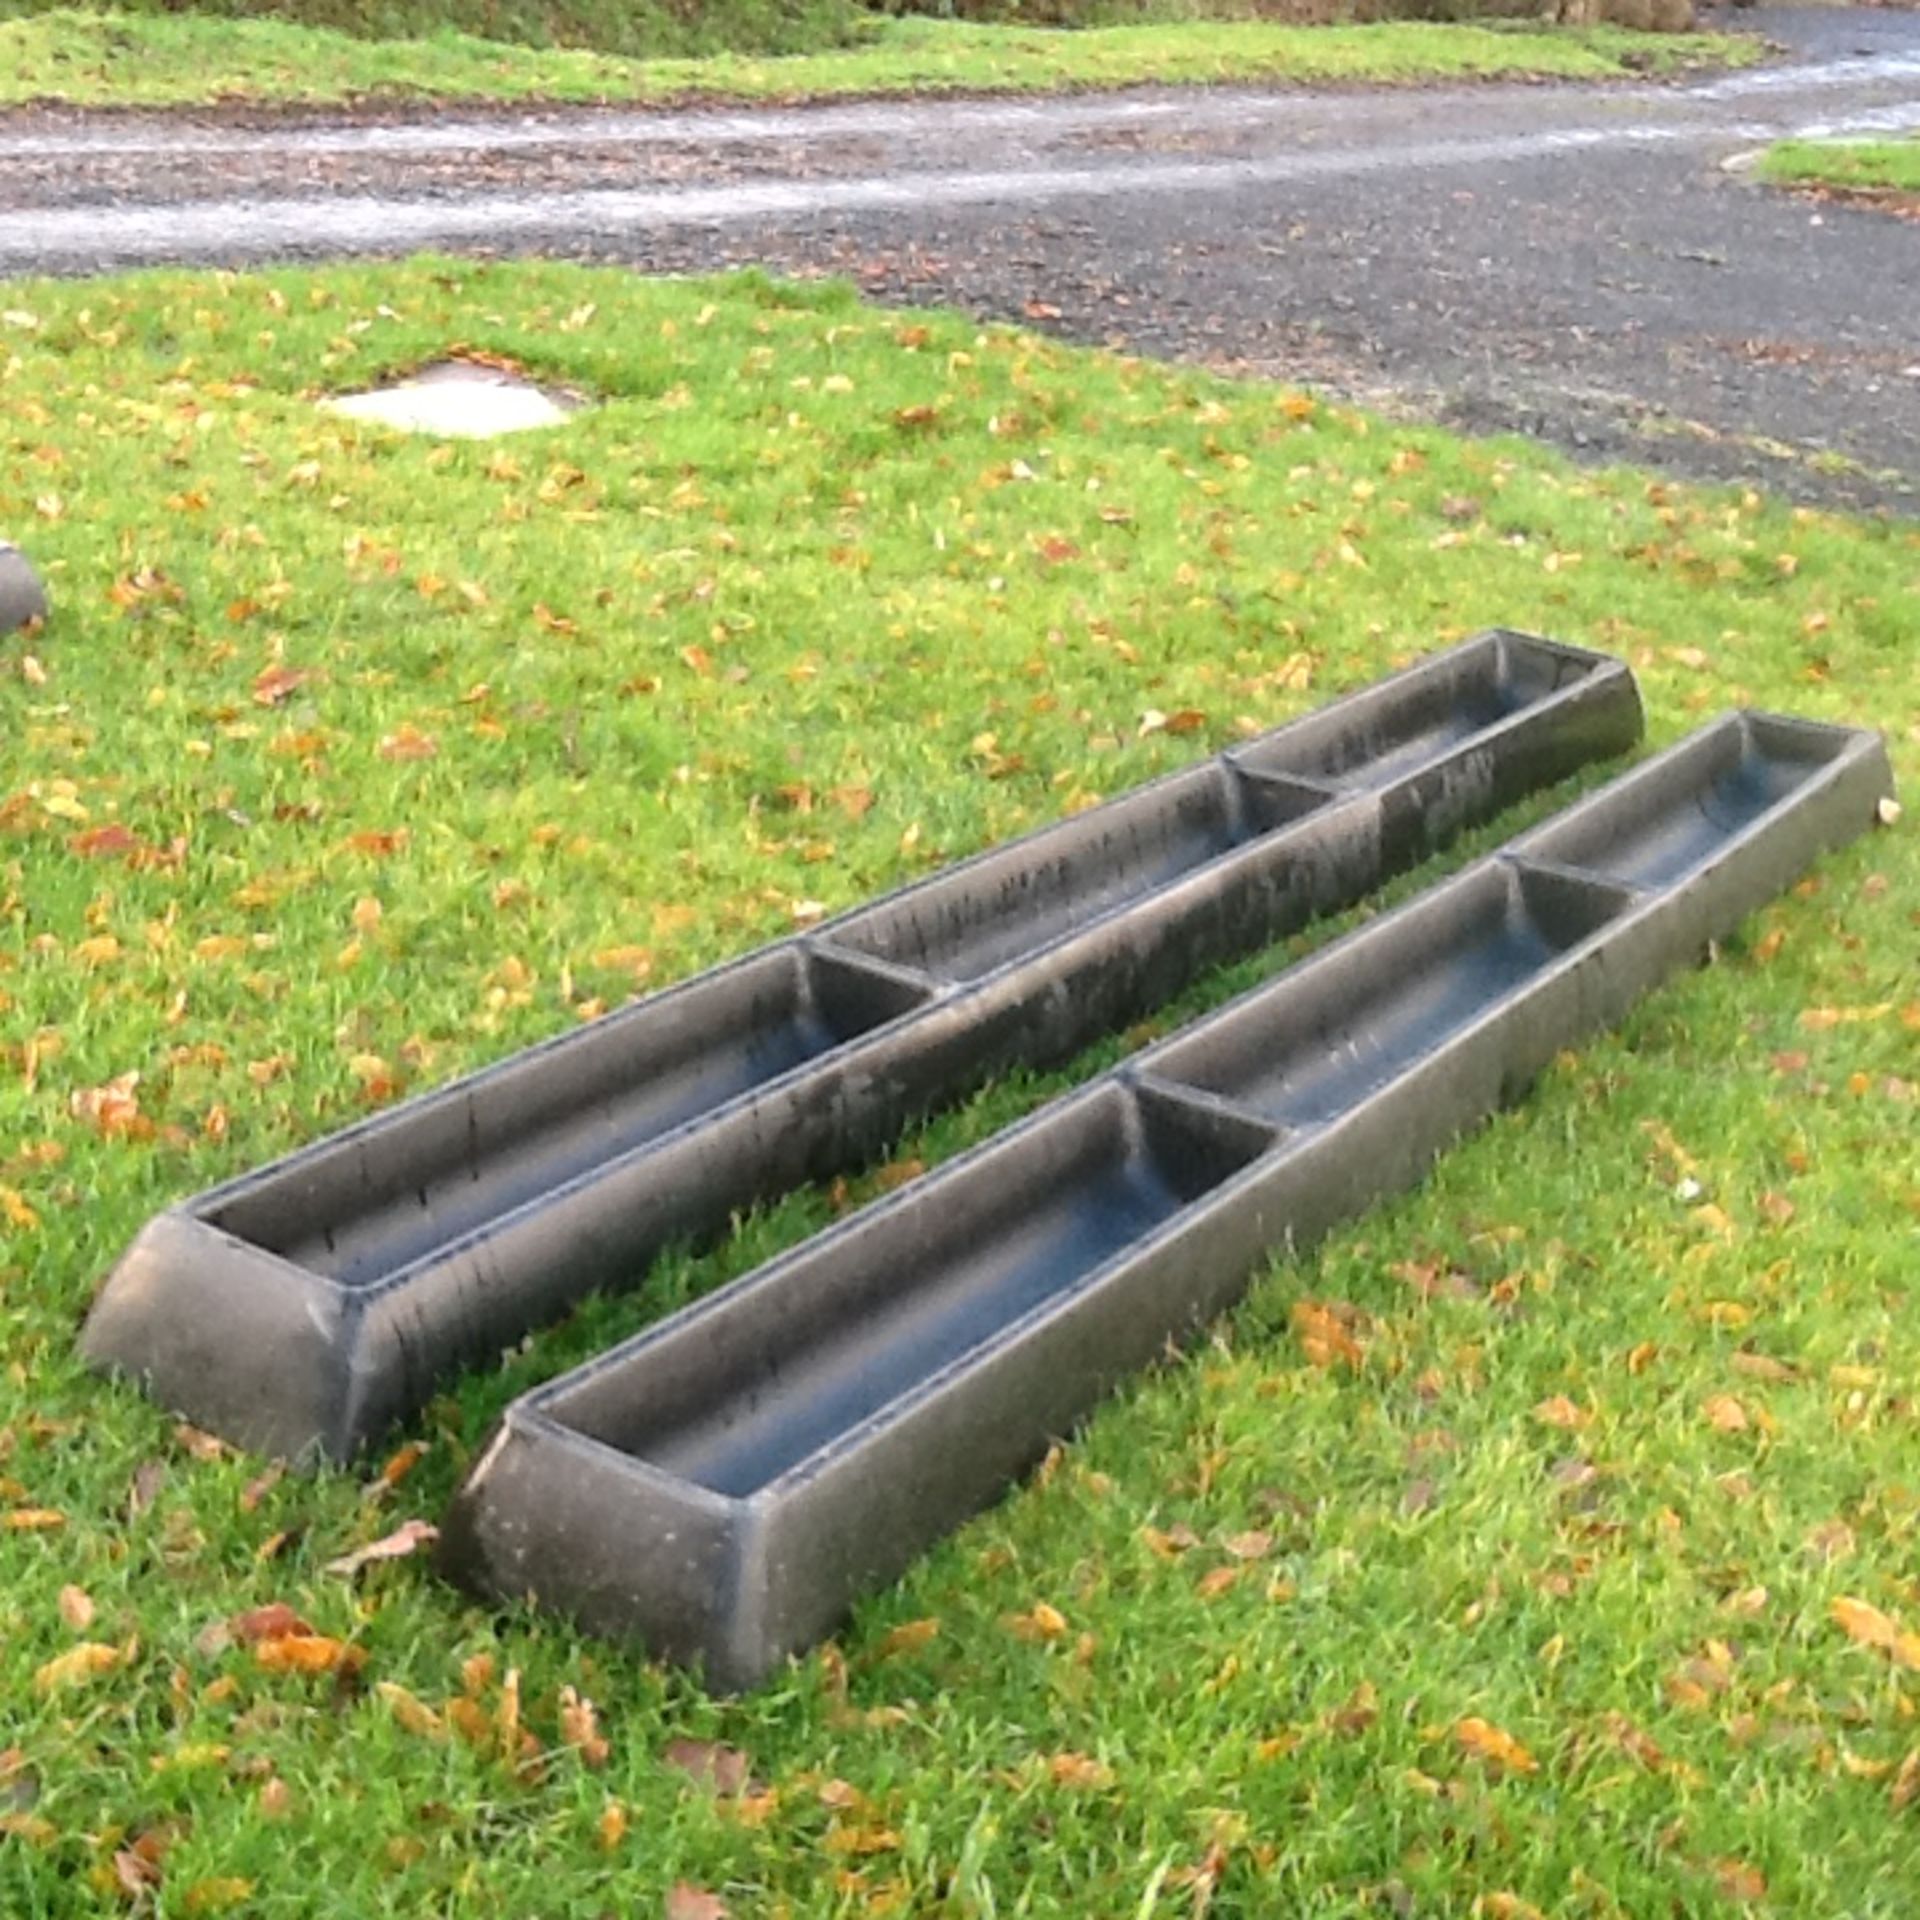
580 1728
688 1902
308 1653
1906 1783
34 1520
402 1462
218 1893
1485 1741
76 1607
1044 1622
407 742
104 842
1863 1622
413 1713
274 1621
277 684
1724 1413
76 1666
909 1637
1739 1880
1079 1771
1560 1411
408 1537
723 1771
1322 1328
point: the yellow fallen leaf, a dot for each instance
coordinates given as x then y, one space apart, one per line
1485 1741
1557 1410
413 1713
77 1666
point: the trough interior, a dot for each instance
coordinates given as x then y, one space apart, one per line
1659 830
1317 1043
1380 737
747 1387
1026 896
377 1201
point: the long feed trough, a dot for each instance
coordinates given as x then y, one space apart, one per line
723 1485
317 1301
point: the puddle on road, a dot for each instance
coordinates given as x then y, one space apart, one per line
460 400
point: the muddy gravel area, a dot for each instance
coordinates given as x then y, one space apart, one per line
1580 264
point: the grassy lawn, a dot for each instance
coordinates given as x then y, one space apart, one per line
1891 166
127 60
353 761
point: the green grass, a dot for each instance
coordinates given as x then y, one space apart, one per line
124 60
1878 166
353 759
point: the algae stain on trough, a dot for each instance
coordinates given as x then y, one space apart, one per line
459 399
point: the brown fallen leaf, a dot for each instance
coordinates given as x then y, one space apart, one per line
34 1520
723 1771
1906 1783
275 1621
76 1607
77 1666
408 1537
685 1901
277 684
260 1486
580 1728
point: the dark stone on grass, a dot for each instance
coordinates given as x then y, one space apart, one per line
22 598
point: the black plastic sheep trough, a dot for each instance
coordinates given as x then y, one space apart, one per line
722 1486
316 1301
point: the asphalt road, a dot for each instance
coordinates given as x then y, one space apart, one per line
1576 263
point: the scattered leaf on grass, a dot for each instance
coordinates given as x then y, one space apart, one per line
408 1537
723 1771
1739 1880
1485 1741
1559 1411
1863 1622
308 1653
1323 1330
76 1607
413 1713
580 1728
77 1666
274 1621
1043 1622
909 1637
688 1902
1079 1771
